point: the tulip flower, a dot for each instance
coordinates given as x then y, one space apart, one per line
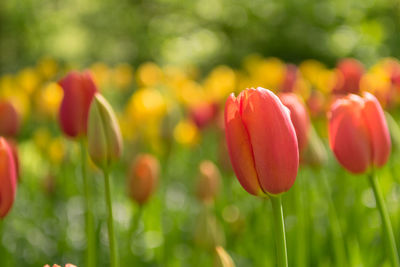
202 114
143 178
348 75
289 81
299 117
8 178
261 141
105 146
208 182
9 119
104 135
79 89
360 140
263 149
358 133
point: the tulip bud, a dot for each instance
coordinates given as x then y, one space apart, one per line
9 119
104 135
222 258
358 133
79 89
261 141
143 178
348 75
299 117
14 150
208 182
8 178
289 80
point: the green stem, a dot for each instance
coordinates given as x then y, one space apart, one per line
387 227
301 247
110 221
280 239
90 243
135 222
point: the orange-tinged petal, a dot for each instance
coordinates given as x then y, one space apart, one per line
348 134
378 130
239 148
273 140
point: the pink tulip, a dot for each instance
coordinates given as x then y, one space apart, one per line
299 117
358 133
261 141
348 75
79 89
8 178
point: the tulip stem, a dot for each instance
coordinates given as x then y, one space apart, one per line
280 239
387 226
110 221
90 238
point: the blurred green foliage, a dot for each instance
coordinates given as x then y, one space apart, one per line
204 32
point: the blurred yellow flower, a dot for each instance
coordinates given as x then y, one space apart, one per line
28 79
220 83
186 133
19 99
318 75
267 73
149 74
7 84
145 104
101 74
123 75
47 67
191 93
49 99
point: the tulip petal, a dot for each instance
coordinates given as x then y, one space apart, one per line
8 178
273 140
348 134
239 148
378 129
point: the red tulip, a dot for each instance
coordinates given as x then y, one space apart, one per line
299 116
79 89
143 178
202 114
9 119
8 178
208 182
348 75
261 141
358 132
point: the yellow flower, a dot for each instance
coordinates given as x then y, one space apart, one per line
146 103
123 75
220 83
28 79
49 99
19 99
47 67
267 73
101 74
186 133
149 74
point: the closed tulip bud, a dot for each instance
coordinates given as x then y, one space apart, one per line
222 258
289 81
14 150
299 117
209 181
143 178
8 178
9 119
104 135
261 141
358 133
79 89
